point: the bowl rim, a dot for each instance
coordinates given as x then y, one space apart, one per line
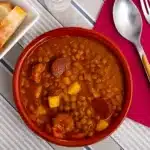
74 31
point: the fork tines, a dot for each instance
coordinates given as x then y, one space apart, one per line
145 4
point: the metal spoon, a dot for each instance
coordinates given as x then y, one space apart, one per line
129 24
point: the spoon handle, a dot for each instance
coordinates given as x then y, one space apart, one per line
144 59
146 65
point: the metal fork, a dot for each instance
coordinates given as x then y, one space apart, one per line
146 9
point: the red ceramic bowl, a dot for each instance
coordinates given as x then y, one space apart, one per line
74 32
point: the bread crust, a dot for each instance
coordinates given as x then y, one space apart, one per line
7 5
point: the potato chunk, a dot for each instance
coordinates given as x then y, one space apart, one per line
41 110
102 125
74 88
54 101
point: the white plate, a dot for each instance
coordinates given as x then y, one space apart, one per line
32 17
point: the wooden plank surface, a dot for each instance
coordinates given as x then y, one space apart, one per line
6 84
12 56
69 17
90 7
14 135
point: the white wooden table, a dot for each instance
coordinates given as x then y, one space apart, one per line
14 135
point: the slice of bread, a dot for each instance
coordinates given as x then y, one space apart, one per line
10 24
5 8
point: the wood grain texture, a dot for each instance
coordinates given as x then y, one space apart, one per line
90 7
69 17
14 134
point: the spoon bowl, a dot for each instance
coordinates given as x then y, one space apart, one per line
127 20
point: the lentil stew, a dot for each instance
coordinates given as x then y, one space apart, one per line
72 87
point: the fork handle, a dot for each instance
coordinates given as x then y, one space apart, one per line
144 59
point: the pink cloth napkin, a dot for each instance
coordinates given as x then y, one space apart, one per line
140 109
